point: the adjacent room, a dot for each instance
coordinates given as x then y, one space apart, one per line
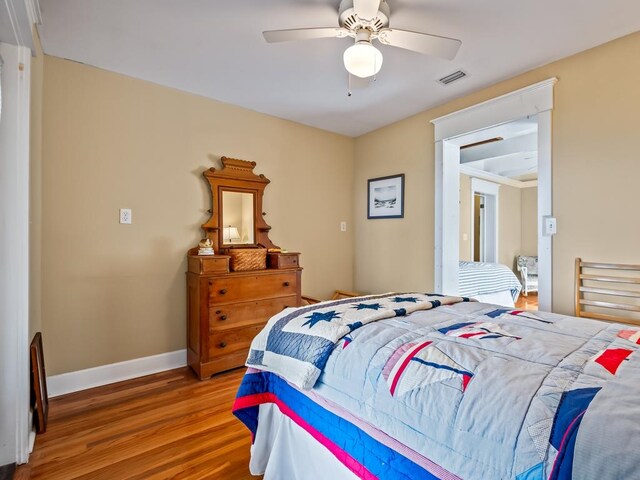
319 239
498 215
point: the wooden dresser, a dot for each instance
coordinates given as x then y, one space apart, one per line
226 309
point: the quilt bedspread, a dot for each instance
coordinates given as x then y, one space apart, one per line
298 341
471 391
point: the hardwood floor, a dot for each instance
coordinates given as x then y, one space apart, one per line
168 425
530 302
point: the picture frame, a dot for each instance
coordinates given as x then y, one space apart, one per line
385 197
40 396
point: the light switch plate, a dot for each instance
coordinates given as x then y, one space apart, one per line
550 226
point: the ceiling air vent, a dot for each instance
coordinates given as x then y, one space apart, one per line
453 77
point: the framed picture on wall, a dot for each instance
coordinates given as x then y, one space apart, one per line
385 197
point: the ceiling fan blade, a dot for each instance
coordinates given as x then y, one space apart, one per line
366 9
275 36
442 47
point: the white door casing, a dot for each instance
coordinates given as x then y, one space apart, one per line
14 254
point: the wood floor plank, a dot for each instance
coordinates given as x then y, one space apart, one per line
529 302
168 425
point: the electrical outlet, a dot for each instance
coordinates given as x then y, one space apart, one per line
343 226
125 216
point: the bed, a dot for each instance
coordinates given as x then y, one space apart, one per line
488 282
407 386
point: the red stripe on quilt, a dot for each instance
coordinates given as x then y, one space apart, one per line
406 361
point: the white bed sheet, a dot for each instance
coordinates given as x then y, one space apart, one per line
282 450
502 298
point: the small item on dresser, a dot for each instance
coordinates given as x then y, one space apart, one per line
283 259
274 250
205 247
243 259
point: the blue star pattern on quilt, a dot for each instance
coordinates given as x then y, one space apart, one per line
353 326
367 306
405 299
316 317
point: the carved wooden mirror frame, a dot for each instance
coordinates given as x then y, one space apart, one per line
236 175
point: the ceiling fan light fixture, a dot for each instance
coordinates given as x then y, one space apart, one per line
362 59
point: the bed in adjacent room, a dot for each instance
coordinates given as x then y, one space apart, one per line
407 386
488 282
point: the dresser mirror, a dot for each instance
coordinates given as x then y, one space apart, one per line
237 218
236 200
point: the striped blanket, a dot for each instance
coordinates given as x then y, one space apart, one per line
478 278
296 343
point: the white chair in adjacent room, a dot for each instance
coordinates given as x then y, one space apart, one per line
528 268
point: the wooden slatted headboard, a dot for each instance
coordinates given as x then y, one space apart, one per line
612 285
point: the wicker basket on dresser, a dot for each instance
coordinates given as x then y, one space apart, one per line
226 309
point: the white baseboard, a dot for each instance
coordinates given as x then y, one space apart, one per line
115 372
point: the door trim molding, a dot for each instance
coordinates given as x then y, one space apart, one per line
511 106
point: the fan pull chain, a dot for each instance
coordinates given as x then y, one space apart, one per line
348 84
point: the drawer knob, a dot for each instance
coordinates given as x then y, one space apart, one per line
223 291
223 344
218 312
286 284
223 317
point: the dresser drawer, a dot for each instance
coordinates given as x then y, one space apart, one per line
250 287
283 260
203 264
226 342
223 317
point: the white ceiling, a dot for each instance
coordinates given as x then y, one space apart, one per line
216 49
515 157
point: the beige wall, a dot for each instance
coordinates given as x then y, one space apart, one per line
464 199
529 201
595 173
395 254
115 292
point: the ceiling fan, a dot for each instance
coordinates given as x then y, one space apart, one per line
365 21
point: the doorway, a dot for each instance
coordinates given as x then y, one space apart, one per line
478 224
482 221
536 100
